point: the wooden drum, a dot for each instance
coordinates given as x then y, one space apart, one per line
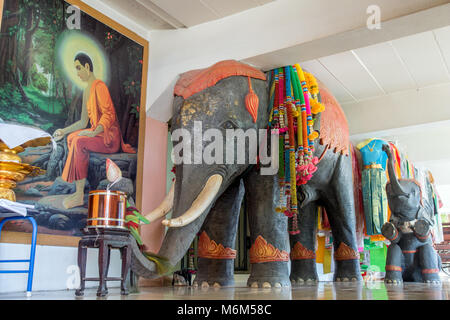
106 209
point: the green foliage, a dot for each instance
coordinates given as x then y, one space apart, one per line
12 30
14 108
135 110
39 80
132 87
46 103
9 97
11 105
111 39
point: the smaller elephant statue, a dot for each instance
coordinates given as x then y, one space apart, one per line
410 256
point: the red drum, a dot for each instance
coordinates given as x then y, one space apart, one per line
106 209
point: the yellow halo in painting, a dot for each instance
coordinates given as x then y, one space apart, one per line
73 42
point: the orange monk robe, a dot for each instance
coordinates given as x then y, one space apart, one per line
101 111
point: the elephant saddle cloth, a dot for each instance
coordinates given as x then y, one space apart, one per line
334 130
194 81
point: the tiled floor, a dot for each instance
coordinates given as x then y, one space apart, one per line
321 291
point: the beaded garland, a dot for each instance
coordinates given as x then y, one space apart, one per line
294 100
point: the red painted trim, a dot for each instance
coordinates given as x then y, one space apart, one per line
393 268
428 271
262 251
422 238
208 248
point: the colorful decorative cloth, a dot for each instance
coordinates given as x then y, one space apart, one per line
334 130
357 193
133 218
195 81
373 180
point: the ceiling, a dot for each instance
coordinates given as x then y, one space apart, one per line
412 62
175 14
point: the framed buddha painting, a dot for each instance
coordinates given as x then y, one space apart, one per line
81 77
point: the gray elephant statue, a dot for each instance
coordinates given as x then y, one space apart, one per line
206 198
410 256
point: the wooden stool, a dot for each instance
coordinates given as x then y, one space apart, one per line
104 239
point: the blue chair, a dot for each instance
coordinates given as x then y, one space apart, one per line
32 254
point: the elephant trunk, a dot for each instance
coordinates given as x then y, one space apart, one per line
203 201
188 215
395 184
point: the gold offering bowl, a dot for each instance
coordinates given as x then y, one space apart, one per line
12 170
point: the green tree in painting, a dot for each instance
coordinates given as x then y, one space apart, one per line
27 43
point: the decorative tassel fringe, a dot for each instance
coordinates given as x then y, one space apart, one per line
293 95
252 102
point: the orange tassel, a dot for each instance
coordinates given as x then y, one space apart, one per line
252 102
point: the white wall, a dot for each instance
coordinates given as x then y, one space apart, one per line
50 268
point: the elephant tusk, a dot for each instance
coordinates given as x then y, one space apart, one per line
164 208
200 204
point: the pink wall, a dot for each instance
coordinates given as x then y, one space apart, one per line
154 180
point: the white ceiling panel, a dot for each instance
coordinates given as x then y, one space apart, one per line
229 7
443 40
262 2
386 67
423 58
346 67
139 13
340 93
194 12
188 12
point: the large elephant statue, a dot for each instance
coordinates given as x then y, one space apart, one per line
206 198
410 256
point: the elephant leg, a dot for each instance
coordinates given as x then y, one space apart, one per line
303 256
269 255
394 264
216 252
340 208
429 264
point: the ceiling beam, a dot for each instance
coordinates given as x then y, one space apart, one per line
399 27
398 110
118 16
163 15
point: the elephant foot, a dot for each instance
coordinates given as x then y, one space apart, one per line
393 277
269 275
393 281
215 273
265 285
205 285
304 272
433 281
347 270
432 278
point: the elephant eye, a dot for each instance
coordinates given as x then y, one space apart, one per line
229 125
